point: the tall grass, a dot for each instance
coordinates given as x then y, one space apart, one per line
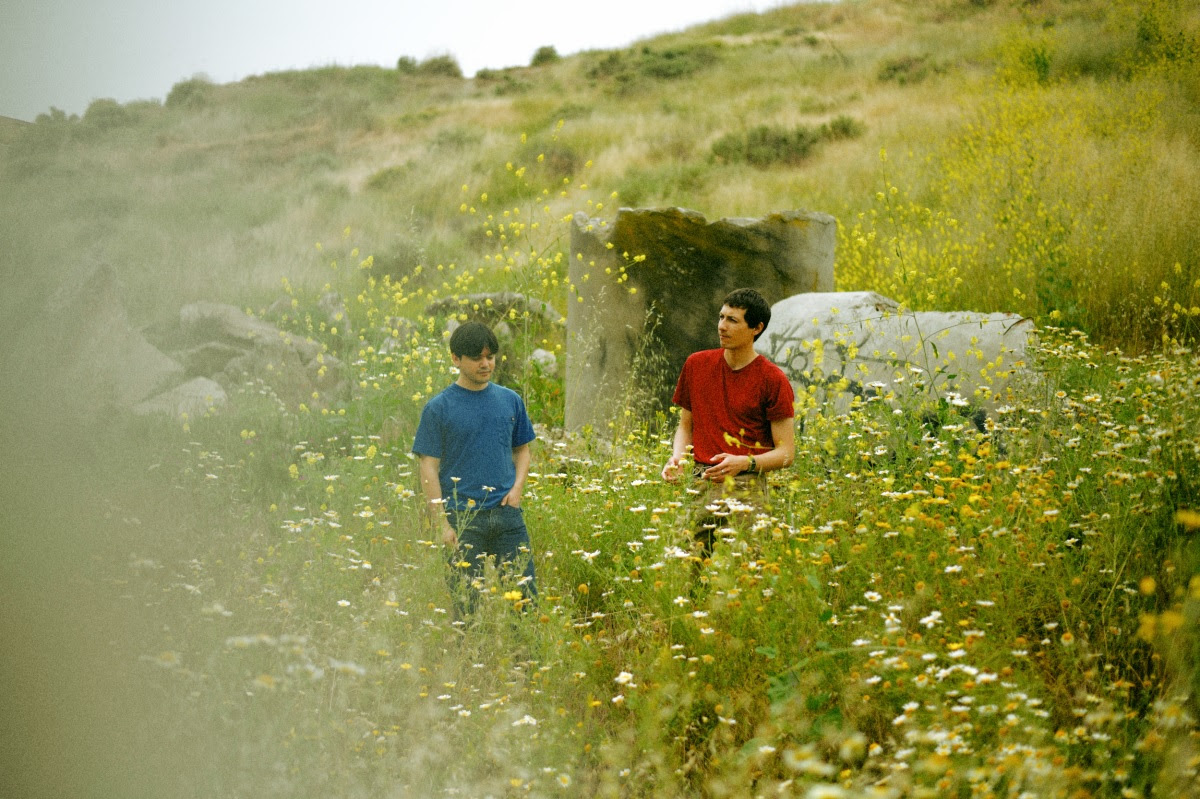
927 608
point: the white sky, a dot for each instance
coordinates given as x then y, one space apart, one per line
66 53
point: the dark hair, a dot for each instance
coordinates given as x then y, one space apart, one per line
471 338
756 308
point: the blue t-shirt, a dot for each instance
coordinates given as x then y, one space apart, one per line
473 433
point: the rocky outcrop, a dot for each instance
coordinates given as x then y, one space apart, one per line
90 362
493 307
648 289
94 359
193 398
838 345
229 348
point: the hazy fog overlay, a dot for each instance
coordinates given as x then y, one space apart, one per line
77 718
948 595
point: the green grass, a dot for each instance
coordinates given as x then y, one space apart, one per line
248 603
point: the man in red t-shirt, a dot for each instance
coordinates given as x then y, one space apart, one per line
736 407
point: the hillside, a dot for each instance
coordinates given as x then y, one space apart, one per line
222 190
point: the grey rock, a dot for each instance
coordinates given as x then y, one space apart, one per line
191 399
838 345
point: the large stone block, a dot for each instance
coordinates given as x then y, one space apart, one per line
847 344
92 359
648 289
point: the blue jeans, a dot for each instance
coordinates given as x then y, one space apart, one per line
498 533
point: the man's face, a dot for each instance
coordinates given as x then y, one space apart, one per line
733 330
475 371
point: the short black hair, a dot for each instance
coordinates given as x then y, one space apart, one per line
756 307
471 338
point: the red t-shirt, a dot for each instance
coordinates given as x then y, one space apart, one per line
732 411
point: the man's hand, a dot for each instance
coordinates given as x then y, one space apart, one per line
673 469
726 465
449 537
512 499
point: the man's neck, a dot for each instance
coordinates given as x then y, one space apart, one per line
740 357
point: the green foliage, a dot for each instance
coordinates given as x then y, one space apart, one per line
911 573
843 127
906 70
390 178
765 145
440 66
627 69
670 183
192 93
105 114
544 55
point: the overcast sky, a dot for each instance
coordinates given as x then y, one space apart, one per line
66 53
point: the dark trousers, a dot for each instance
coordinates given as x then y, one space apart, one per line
498 534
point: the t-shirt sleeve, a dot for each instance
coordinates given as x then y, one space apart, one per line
683 394
428 440
523 429
781 399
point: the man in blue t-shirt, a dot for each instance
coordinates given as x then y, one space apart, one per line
473 445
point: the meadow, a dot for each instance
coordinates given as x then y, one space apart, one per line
251 603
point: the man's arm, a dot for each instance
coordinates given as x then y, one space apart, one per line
521 458
431 487
783 432
679 449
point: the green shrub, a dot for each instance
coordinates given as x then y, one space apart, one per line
440 66
766 145
105 114
843 127
905 70
406 65
390 178
676 62
55 116
544 55
191 93
626 68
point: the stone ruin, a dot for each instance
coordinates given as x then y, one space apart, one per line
838 344
646 292
627 313
841 345
97 362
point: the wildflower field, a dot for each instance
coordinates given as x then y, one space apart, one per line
928 609
251 603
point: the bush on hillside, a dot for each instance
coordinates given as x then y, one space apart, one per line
544 55
906 69
627 68
842 127
55 116
440 66
105 113
191 93
766 145
406 65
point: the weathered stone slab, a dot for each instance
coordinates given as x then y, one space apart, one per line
492 307
648 289
215 321
96 358
845 344
193 398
